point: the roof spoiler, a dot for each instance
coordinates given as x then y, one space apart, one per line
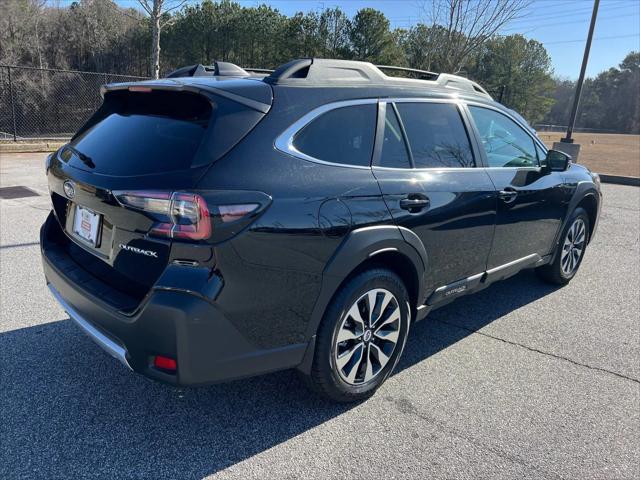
242 96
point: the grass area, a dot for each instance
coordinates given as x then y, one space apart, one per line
614 154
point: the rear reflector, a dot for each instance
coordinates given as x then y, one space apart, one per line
165 363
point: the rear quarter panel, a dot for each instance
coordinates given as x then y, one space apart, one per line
273 270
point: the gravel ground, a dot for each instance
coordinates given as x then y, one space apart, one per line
521 380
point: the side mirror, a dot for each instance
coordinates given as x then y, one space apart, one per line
557 161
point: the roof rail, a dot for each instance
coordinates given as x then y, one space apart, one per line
322 71
448 80
218 69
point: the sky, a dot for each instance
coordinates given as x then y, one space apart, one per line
561 26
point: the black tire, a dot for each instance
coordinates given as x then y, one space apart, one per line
554 272
326 377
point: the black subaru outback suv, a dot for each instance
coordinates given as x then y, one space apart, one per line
220 224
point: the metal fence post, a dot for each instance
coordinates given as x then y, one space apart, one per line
13 106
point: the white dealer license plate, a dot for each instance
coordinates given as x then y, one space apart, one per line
86 224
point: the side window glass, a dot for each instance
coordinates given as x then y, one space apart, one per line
342 135
505 142
437 137
394 150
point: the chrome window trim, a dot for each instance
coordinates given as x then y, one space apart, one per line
452 99
284 142
456 169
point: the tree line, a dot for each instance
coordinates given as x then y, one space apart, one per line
100 35
610 102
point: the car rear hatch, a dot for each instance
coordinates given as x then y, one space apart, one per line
137 158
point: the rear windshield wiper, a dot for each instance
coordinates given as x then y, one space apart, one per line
86 159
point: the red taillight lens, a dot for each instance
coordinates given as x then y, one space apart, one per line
180 215
189 216
165 363
152 202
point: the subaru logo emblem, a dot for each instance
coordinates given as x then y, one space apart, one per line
69 189
367 335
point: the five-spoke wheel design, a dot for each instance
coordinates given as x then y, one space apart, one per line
367 336
573 247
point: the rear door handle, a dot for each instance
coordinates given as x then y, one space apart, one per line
508 195
415 202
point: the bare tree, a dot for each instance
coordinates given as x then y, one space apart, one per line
158 10
462 26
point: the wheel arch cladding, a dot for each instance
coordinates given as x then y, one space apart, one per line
590 204
382 246
398 263
390 250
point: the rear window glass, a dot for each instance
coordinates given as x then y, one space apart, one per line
343 135
437 137
141 133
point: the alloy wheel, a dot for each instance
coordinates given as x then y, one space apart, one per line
367 337
573 247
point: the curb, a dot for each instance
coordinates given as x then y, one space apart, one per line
30 147
620 180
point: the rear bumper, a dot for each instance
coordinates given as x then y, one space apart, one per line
107 344
173 323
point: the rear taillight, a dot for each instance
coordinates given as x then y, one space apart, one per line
179 214
182 215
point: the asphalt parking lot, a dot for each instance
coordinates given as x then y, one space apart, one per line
519 381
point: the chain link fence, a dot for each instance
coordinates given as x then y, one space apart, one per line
46 103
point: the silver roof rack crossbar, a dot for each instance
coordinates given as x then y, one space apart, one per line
258 70
423 74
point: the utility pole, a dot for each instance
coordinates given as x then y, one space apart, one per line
576 98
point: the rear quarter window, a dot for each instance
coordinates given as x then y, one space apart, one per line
342 135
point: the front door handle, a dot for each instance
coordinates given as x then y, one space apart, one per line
415 202
508 195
